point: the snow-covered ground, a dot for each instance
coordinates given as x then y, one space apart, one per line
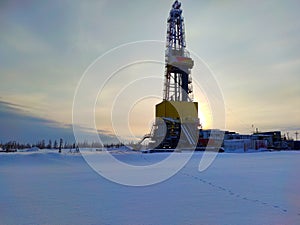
45 187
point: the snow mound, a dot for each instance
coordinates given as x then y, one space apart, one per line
33 149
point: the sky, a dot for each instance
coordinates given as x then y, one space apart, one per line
46 48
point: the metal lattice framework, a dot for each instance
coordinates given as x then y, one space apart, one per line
178 81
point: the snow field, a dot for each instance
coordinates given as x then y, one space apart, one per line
51 188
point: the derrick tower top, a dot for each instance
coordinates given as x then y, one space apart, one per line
178 81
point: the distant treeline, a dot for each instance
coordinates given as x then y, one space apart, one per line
56 144
114 145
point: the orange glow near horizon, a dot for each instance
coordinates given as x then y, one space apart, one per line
204 110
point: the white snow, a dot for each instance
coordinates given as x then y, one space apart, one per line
33 149
45 187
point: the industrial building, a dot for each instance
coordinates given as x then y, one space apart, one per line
177 125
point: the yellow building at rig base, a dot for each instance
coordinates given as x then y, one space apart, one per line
176 125
186 112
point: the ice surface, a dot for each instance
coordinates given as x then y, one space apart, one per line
49 188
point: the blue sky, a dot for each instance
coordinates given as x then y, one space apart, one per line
45 46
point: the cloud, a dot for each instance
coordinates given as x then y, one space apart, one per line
18 125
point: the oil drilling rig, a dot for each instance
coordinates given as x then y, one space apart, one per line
176 124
